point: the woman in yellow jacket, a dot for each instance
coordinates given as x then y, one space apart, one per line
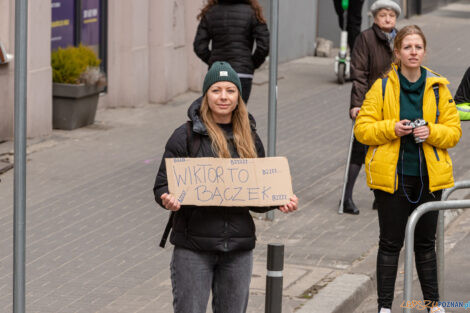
408 120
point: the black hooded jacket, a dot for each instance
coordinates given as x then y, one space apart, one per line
233 28
463 92
208 228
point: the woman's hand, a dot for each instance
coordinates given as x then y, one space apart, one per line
170 202
421 132
291 206
354 112
401 129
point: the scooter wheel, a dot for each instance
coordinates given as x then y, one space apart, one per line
341 73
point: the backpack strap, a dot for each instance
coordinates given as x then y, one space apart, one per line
435 87
384 84
166 232
193 143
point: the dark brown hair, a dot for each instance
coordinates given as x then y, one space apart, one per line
254 4
402 33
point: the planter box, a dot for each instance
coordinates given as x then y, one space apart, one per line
74 106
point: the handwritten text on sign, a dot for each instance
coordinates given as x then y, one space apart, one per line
230 182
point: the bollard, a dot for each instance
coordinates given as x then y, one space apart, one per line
275 265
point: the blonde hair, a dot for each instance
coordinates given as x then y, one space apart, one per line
242 134
402 33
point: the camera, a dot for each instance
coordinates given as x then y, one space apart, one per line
415 124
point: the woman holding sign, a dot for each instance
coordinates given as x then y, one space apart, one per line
213 245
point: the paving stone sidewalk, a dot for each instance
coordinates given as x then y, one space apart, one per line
93 226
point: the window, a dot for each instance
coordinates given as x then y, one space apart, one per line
80 21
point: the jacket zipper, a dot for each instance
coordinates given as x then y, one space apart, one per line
225 229
435 152
395 186
371 159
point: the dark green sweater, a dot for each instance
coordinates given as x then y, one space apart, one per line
411 108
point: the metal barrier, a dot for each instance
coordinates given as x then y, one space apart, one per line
440 234
410 229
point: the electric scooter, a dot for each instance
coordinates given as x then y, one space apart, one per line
342 60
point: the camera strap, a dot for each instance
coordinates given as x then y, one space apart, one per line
420 175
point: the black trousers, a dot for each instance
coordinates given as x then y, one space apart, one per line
354 19
246 88
394 210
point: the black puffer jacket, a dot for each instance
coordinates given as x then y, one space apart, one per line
206 228
233 28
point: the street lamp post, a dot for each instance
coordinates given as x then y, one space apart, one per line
272 110
19 223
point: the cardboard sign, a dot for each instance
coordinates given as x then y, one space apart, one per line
230 182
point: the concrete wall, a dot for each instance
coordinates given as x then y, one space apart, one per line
128 53
425 6
39 75
39 69
297 27
6 70
150 56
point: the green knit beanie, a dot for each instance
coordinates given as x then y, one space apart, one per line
221 72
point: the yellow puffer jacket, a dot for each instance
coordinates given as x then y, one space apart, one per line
375 127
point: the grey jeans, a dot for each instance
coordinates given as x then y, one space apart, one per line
195 273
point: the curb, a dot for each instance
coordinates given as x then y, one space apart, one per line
345 292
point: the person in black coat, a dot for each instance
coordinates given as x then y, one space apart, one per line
213 245
354 19
230 28
462 97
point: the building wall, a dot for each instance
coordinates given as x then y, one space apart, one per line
39 69
6 70
150 54
425 6
128 53
39 75
297 27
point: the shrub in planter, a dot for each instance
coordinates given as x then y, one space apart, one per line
77 82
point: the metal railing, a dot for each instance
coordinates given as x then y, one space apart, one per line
444 204
440 234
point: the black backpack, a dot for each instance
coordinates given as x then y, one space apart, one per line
193 144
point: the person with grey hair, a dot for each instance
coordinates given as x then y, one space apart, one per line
371 58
